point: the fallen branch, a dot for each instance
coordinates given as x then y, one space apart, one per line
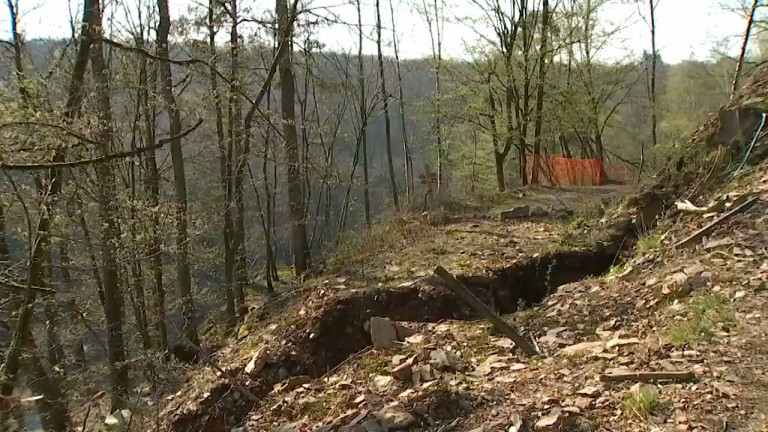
648 376
707 229
504 327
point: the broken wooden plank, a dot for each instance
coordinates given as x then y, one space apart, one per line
746 205
504 327
648 376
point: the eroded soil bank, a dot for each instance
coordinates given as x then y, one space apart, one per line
326 336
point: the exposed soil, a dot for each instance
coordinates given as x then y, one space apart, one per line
331 325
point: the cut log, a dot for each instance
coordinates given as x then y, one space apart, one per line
707 229
504 327
648 376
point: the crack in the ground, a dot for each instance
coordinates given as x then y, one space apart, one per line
336 332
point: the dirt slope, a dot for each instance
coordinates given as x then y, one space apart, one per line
697 309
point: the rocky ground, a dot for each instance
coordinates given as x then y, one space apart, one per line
670 338
673 339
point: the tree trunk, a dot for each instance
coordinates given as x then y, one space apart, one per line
4 252
179 178
152 185
240 151
56 412
540 92
653 74
407 162
78 340
225 174
437 58
301 258
744 44
363 115
110 238
385 99
499 157
53 410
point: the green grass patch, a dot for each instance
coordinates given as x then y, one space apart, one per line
616 270
705 315
577 223
642 402
649 242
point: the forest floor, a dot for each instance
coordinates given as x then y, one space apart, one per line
303 362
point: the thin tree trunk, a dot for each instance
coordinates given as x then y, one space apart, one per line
152 184
540 92
744 44
225 173
53 410
240 148
363 115
385 99
136 278
179 178
78 340
438 97
113 300
408 163
5 254
498 156
301 257
654 119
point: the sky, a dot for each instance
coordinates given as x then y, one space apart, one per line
686 29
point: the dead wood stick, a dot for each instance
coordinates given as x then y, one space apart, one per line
707 229
648 376
459 289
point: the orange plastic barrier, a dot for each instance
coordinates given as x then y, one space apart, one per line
563 171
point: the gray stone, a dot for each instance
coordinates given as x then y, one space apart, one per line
538 211
516 213
290 427
383 332
352 428
373 426
394 418
118 420
442 359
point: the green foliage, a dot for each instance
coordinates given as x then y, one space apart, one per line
617 270
649 242
577 223
705 315
642 402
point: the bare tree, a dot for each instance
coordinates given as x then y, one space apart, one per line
363 115
407 162
225 169
385 99
179 177
110 238
744 43
435 26
545 12
240 150
301 258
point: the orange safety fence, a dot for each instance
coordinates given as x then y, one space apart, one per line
563 171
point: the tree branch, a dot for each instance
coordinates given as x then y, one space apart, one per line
13 286
101 159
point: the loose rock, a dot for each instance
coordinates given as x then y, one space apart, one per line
394 418
515 213
383 332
